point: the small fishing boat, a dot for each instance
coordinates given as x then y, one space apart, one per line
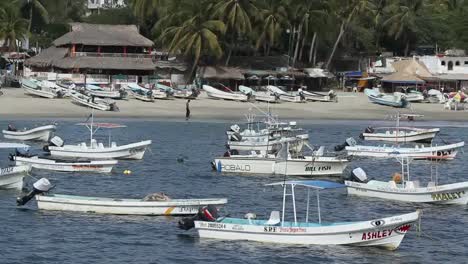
385 232
411 96
443 152
95 150
95 103
189 91
153 204
12 177
42 133
141 93
319 97
48 163
260 95
402 188
377 97
33 87
285 96
265 144
94 90
226 94
280 163
399 134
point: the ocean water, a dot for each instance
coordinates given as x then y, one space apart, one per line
32 236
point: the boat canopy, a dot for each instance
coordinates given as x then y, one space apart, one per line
4 145
315 184
101 125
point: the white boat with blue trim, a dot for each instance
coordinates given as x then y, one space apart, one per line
394 100
226 94
42 133
387 232
12 177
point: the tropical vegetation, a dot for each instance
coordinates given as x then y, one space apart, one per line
309 32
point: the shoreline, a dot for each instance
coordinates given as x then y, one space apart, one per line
14 104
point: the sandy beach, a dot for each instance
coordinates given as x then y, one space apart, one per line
351 106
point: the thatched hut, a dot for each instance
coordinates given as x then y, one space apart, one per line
100 49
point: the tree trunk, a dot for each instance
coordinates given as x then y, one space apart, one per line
298 41
301 51
312 45
335 46
30 17
291 40
407 46
314 60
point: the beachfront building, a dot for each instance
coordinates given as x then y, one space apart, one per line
107 52
94 6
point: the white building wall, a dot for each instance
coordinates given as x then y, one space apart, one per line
445 64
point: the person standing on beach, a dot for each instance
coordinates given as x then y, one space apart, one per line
187 110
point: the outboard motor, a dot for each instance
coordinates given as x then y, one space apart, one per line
368 130
55 141
11 128
359 175
349 142
206 213
123 93
41 186
235 128
114 107
236 137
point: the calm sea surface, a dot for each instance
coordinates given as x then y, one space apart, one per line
32 236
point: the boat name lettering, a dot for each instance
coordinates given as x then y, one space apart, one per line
375 235
6 170
269 229
292 229
322 168
235 167
187 209
214 225
447 196
237 227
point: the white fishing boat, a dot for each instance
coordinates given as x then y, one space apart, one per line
12 177
141 93
95 103
446 152
403 188
399 134
387 232
265 144
259 95
42 133
152 204
394 100
117 206
33 87
161 94
282 162
185 93
411 96
48 163
226 94
95 150
285 96
94 90
318 97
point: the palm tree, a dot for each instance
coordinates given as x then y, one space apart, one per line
236 15
274 19
404 20
34 5
12 26
346 13
145 8
196 37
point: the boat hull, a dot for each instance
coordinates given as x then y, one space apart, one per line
12 177
264 145
86 101
144 98
456 193
446 152
36 134
218 94
420 135
39 93
388 234
318 167
123 206
129 151
104 166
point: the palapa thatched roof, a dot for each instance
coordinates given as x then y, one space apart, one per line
106 63
47 57
178 65
221 73
103 35
408 71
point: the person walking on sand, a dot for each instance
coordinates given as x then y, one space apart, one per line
187 110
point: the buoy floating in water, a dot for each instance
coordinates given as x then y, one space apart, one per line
127 172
